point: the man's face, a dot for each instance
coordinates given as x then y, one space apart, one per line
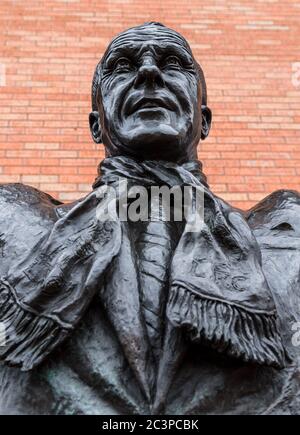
149 99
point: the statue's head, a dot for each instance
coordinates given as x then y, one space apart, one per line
149 96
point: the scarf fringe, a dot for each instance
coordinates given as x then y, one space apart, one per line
27 338
252 337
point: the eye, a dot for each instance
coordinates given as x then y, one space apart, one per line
122 64
172 61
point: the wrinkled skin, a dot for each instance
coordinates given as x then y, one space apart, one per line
91 373
149 98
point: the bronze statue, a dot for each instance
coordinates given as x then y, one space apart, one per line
139 317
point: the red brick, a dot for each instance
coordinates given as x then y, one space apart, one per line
254 146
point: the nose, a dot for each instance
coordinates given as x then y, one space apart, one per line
149 74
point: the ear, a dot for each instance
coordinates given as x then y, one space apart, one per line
95 127
206 122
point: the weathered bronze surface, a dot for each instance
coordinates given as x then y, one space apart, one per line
147 317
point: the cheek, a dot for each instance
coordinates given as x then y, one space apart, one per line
193 90
186 91
113 93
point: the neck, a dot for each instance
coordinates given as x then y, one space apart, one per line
145 171
181 157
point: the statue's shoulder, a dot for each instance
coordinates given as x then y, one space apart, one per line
18 197
26 215
276 216
22 193
19 201
275 222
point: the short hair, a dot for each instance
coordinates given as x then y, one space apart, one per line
98 70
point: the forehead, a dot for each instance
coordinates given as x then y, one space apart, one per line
140 38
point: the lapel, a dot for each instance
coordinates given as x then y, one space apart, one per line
121 299
157 241
172 355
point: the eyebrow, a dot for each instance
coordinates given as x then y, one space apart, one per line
127 49
177 49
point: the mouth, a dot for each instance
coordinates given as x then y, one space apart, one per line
151 104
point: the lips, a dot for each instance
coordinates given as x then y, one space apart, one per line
151 103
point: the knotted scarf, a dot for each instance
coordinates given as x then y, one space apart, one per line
217 292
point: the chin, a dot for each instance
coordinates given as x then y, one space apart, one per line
162 142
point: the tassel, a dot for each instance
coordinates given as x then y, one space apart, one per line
29 338
230 329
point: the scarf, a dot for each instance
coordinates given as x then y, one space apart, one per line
217 292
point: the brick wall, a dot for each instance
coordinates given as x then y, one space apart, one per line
248 49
